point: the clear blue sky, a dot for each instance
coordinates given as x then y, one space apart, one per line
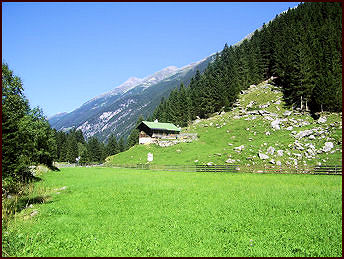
68 53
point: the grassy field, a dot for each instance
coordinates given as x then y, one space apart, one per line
122 212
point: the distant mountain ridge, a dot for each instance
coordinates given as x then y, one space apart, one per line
116 111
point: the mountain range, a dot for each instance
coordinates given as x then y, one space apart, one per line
116 111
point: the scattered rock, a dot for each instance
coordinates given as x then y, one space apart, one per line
229 160
311 137
250 104
275 124
210 163
278 163
311 152
322 120
327 147
263 156
271 150
239 148
272 161
34 213
196 161
298 145
262 112
280 152
297 155
267 133
287 113
304 133
61 189
263 106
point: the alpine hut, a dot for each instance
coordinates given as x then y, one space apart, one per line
150 132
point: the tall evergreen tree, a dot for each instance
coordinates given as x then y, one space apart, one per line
133 138
94 150
72 148
121 145
112 147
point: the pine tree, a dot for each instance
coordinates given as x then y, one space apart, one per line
94 150
72 148
112 147
133 138
121 145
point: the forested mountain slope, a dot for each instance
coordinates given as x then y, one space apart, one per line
301 48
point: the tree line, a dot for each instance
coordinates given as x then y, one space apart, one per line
72 147
28 139
301 48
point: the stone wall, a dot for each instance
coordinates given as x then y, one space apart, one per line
166 141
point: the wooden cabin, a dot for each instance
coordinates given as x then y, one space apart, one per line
152 131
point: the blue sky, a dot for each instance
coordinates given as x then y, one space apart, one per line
68 53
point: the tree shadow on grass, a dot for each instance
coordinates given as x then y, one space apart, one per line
25 202
53 168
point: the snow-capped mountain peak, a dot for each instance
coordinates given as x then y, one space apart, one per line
160 75
129 84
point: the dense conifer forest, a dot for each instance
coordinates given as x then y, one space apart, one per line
301 48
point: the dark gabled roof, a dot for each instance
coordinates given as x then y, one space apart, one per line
160 126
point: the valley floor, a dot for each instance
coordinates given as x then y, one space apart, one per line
124 212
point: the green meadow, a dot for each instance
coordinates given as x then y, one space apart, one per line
125 212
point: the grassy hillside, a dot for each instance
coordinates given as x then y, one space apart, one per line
122 212
238 136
